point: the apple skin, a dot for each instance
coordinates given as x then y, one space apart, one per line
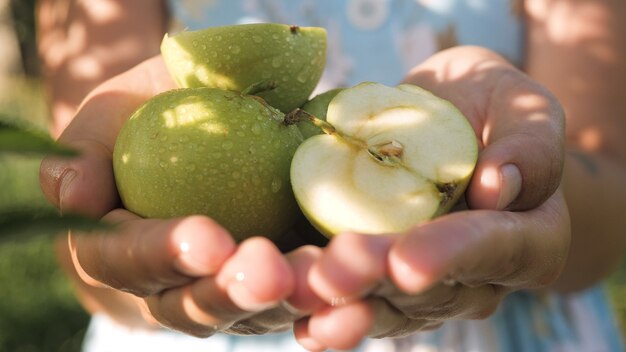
212 152
238 56
317 106
344 182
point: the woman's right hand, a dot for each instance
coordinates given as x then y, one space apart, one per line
187 273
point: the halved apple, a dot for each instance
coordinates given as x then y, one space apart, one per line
391 158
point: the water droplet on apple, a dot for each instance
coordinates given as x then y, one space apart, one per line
302 76
235 49
256 129
241 134
276 185
277 62
190 167
194 43
227 145
257 39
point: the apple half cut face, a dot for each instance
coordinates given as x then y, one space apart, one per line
392 157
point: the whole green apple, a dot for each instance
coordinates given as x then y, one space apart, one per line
390 158
213 152
238 56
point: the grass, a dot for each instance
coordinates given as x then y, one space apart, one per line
38 311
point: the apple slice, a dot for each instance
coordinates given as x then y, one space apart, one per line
390 159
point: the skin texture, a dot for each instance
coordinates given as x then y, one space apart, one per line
554 235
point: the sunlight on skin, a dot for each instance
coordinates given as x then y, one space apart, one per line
101 11
590 139
86 66
490 179
560 31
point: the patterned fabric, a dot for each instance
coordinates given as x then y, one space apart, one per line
380 40
373 40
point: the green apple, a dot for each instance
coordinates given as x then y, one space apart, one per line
238 56
213 152
392 157
317 106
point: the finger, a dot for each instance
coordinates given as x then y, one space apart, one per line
85 184
478 247
146 256
522 162
342 327
518 122
254 279
304 338
444 302
303 299
350 266
391 322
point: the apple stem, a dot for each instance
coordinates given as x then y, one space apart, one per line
298 115
260 87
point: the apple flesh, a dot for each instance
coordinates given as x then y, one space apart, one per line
213 152
391 158
238 56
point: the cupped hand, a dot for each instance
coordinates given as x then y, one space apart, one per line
187 273
459 266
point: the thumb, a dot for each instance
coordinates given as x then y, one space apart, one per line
83 185
521 163
86 184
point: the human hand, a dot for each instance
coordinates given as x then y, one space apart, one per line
185 273
460 265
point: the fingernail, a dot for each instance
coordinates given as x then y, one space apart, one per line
241 295
511 185
66 181
408 279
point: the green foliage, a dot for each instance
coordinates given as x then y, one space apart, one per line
38 310
17 137
19 220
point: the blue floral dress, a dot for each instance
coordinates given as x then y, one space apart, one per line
380 40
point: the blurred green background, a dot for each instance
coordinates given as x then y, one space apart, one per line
38 311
